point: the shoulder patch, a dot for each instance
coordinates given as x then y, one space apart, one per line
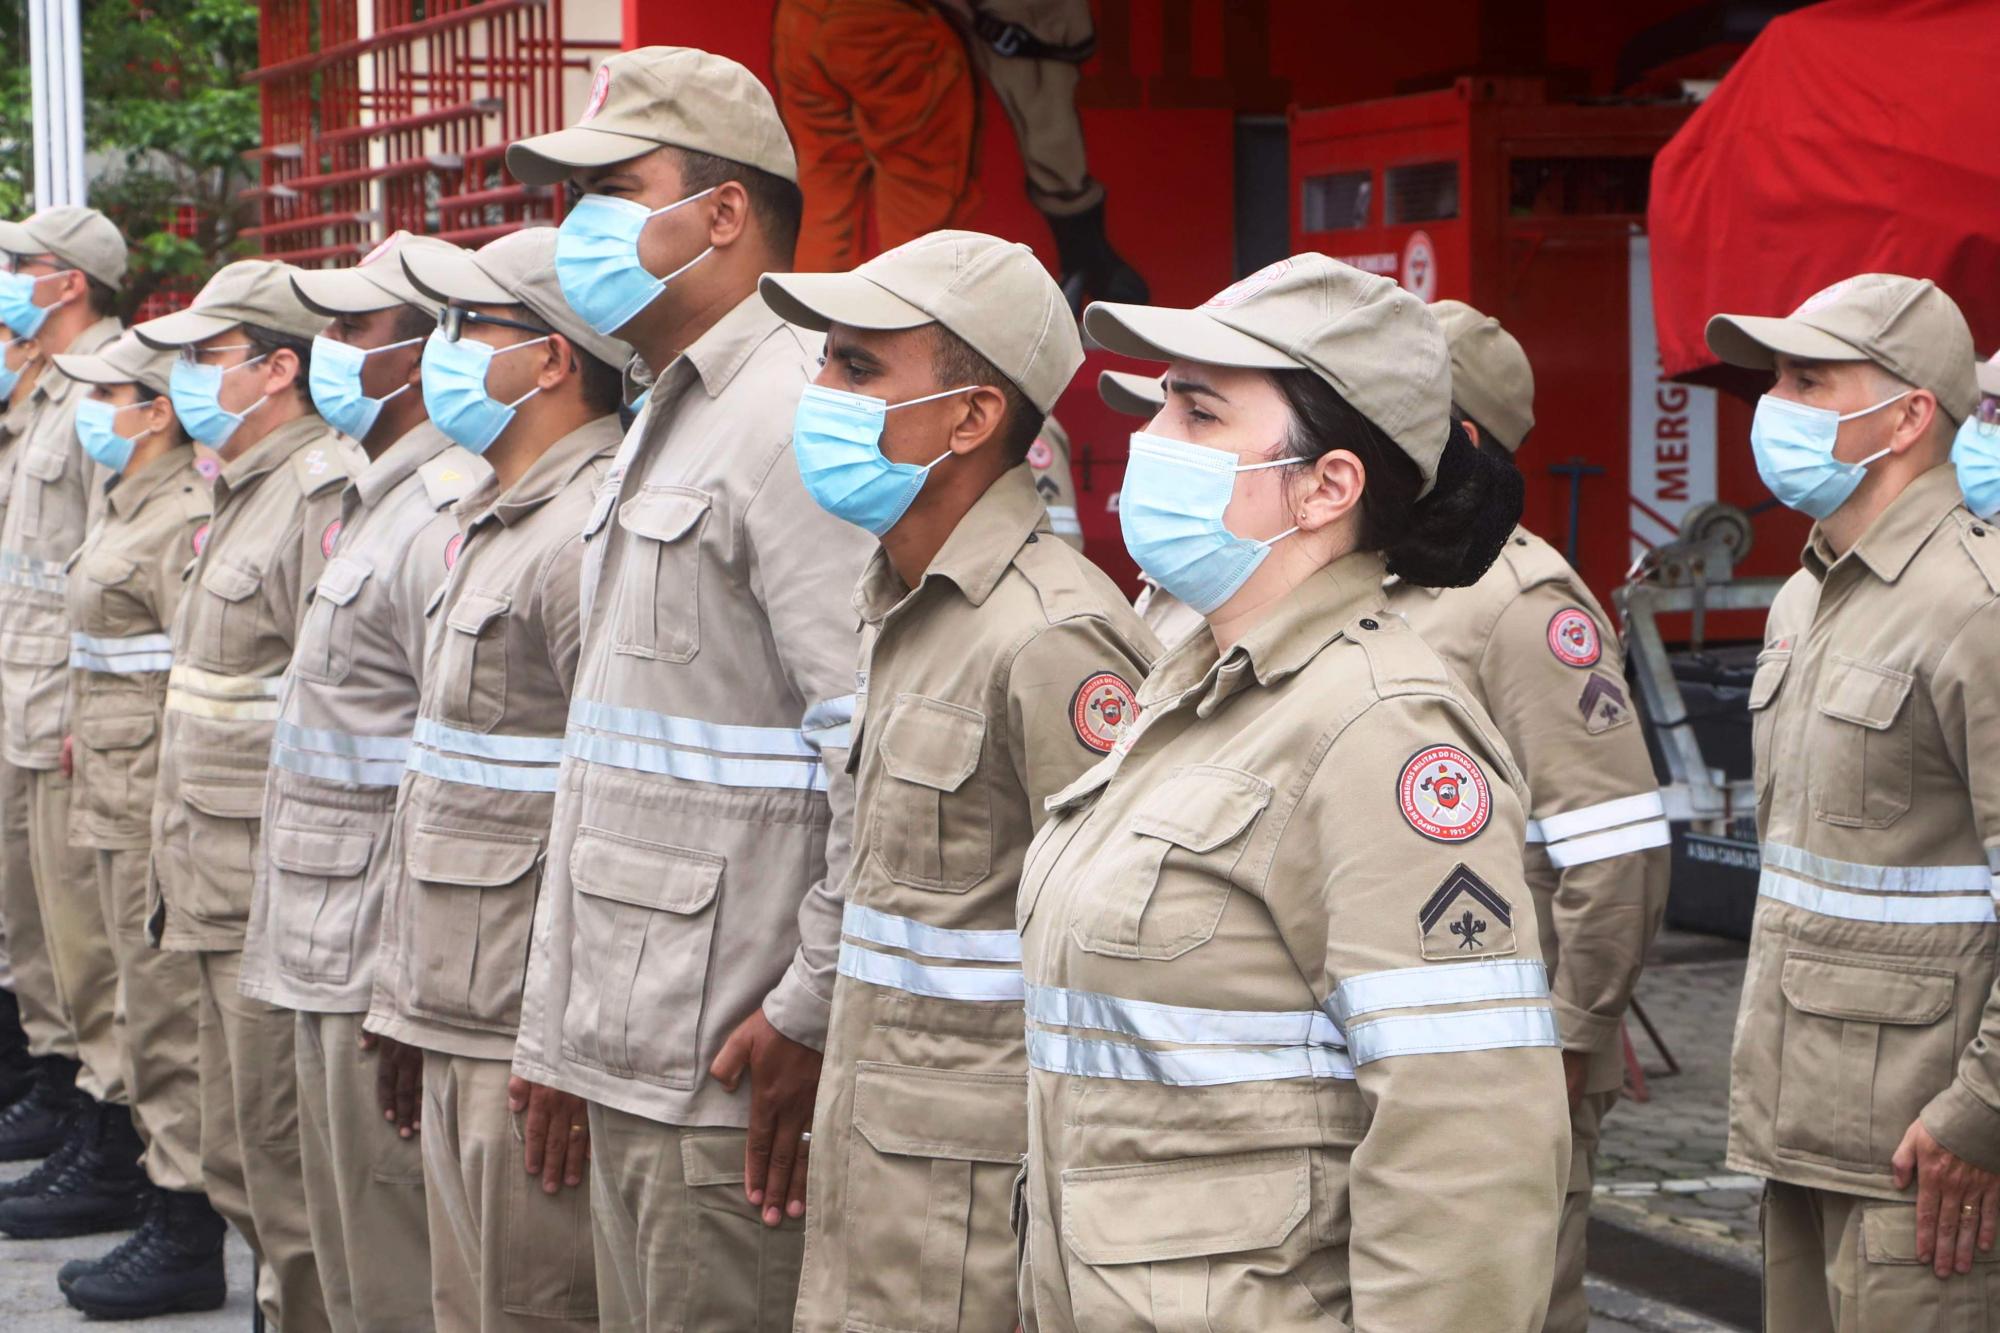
1040 456
200 538
1981 541
452 548
1465 918
329 539
1574 637
1444 795
319 467
1101 709
447 480
1602 704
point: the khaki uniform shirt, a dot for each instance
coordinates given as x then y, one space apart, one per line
1006 673
472 821
1055 482
124 586
14 423
277 514
53 494
701 832
1293 1063
1869 996
348 704
1534 647
1165 614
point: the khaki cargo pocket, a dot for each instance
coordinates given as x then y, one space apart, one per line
223 815
45 466
472 659
549 1269
719 1228
1158 888
1862 749
473 912
658 615
1893 1289
1771 667
645 915
116 768
316 892
229 630
1191 1246
105 569
930 1184
1865 1045
326 639
931 831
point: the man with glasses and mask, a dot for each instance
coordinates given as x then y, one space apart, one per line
685 957
240 386
515 375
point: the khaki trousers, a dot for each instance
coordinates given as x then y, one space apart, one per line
1837 1263
78 937
159 995
504 1255
364 1186
1569 1307
679 1247
250 1140
42 1013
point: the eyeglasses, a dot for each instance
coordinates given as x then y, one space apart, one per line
453 319
193 355
55 266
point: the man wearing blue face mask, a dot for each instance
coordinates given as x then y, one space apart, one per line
1976 451
1865 1078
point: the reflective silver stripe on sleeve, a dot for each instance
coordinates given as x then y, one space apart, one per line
484 745
1181 1025
1063 521
692 766
346 743
1612 842
943 983
25 571
1463 1030
336 768
210 694
1439 983
127 656
692 733
1082 1057
1901 909
1604 815
471 773
900 932
1879 879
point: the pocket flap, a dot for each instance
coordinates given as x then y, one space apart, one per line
932 743
106 569
1889 1236
334 853
1868 696
962 1117
46 464
663 516
1184 1210
712 1159
1867 992
224 799
653 875
474 609
116 733
231 583
1202 807
1770 675
341 580
21 648
470 860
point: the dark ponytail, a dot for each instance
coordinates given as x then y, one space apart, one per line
1448 538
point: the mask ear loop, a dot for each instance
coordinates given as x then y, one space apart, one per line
498 351
931 398
405 386
1880 453
1269 542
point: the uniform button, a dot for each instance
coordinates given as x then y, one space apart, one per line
1520 541
1978 531
1369 624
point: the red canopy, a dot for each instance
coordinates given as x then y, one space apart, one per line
1855 136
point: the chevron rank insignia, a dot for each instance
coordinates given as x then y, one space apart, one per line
1602 704
1465 918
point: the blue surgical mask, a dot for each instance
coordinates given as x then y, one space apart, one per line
96 431
597 259
1170 511
837 438
10 378
336 384
1976 456
455 390
196 390
1793 444
18 310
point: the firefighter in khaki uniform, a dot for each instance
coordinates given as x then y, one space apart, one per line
124 587
1001 665
1281 961
514 375
1533 646
705 807
1143 396
1864 1083
347 705
240 386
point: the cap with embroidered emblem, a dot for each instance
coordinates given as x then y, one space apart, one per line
249 291
376 283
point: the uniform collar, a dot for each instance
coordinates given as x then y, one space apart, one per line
1898 532
128 494
270 451
415 447
978 552
547 476
53 384
718 354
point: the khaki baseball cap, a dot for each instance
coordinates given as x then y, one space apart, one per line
659 96
1988 373
126 361
517 269
1132 395
994 294
376 283
1907 326
1370 340
83 238
1491 380
249 291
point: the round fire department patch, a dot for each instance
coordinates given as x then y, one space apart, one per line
600 88
1101 709
452 548
382 247
330 538
1573 638
1040 455
1444 795
200 538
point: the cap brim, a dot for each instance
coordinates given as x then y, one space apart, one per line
181 328
1161 333
548 159
1131 395
333 292
16 239
816 300
453 276
1756 341
89 369
1989 378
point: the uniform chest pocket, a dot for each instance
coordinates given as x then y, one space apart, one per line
41 508
1764 687
326 639
468 929
1862 751
929 828
105 569
315 883
472 659
658 615
232 618
1158 887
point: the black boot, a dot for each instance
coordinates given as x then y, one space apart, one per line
100 1188
67 1275
49 1167
37 1124
171 1264
1090 267
17 1067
